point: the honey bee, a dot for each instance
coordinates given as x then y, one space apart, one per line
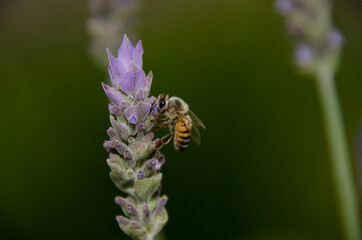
181 121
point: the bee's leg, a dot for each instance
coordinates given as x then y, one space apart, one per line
164 123
159 126
166 139
160 120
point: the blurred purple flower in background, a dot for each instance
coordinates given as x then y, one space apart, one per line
309 23
110 19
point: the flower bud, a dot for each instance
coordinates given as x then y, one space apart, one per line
122 220
160 205
121 201
111 132
119 146
135 225
146 211
129 161
148 138
132 210
107 146
113 109
127 207
127 155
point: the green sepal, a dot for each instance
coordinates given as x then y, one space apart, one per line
160 221
118 170
140 150
147 186
135 233
115 158
132 228
152 203
125 186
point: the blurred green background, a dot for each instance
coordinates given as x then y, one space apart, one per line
262 170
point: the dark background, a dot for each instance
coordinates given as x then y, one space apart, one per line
262 170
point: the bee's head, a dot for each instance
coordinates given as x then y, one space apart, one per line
161 103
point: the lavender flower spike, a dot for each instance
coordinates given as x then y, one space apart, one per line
131 145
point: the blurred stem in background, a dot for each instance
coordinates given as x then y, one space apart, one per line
317 53
341 168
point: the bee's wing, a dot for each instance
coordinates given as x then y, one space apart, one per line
195 135
182 117
196 120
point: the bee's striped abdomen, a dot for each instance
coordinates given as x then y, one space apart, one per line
182 134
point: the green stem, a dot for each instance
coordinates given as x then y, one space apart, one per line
340 163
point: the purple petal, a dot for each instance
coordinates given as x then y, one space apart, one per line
125 52
148 83
132 114
146 107
137 54
139 79
128 112
154 110
138 110
133 119
113 95
111 75
126 83
113 109
124 105
117 66
139 95
151 100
